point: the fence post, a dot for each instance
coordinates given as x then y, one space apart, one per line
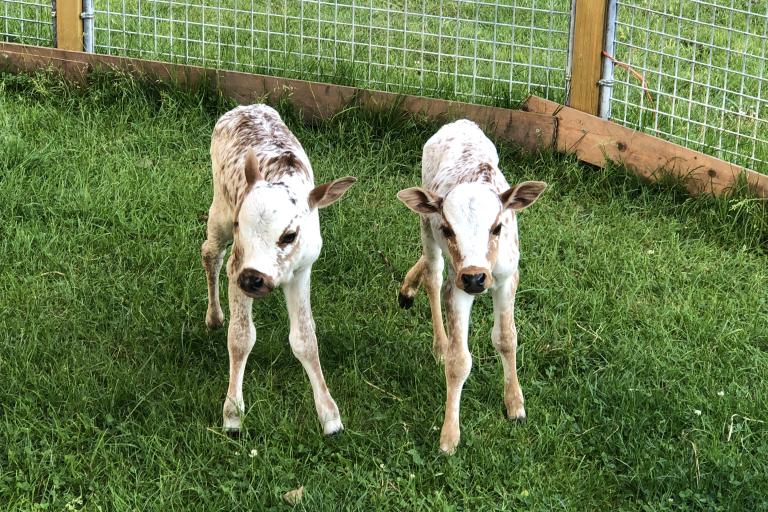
586 60
69 24
87 17
606 80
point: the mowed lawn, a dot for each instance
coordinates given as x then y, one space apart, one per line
641 314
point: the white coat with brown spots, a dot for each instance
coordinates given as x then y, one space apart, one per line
265 201
468 211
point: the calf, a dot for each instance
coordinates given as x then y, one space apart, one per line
468 211
265 200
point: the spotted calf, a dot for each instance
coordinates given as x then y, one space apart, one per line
468 211
265 201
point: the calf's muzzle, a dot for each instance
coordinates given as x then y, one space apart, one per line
474 280
254 283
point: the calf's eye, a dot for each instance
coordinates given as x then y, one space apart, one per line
287 238
495 231
447 232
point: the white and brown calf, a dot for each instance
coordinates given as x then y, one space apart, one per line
467 210
265 200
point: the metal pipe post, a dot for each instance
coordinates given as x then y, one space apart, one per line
606 78
87 17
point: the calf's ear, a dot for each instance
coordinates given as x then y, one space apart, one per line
522 195
419 200
252 170
329 193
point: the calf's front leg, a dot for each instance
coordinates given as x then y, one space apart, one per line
504 337
241 337
458 360
304 345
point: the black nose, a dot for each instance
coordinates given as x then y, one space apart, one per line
250 281
473 283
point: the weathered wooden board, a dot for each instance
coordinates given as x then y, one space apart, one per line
595 140
531 131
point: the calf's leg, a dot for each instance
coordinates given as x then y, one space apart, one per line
428 270
240 339
304 345
212 253
458 361
411 284
504 337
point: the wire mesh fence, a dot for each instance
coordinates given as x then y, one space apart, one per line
26 22
704 67
482 51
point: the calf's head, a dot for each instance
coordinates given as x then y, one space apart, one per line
469 223
270 223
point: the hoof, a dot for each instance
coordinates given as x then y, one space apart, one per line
232 433
214 321
335 435
405 301
517 415
448 448
449 440
333 427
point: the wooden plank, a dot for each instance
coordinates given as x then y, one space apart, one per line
530 131
588 39
69 25
595 140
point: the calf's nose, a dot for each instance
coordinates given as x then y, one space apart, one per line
252 281
473 283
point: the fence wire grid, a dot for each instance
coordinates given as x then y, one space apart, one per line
27 22
703 61
704 64
482 51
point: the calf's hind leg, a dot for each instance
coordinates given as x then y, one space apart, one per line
428 270
415 275
212 253
411 284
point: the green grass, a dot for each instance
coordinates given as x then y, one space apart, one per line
637 307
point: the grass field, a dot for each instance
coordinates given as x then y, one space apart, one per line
641 312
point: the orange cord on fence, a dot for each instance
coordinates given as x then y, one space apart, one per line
637 75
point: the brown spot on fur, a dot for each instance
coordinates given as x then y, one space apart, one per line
235 260
284 164
239 204
485 172
493 243
493 250
453 246
507 342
